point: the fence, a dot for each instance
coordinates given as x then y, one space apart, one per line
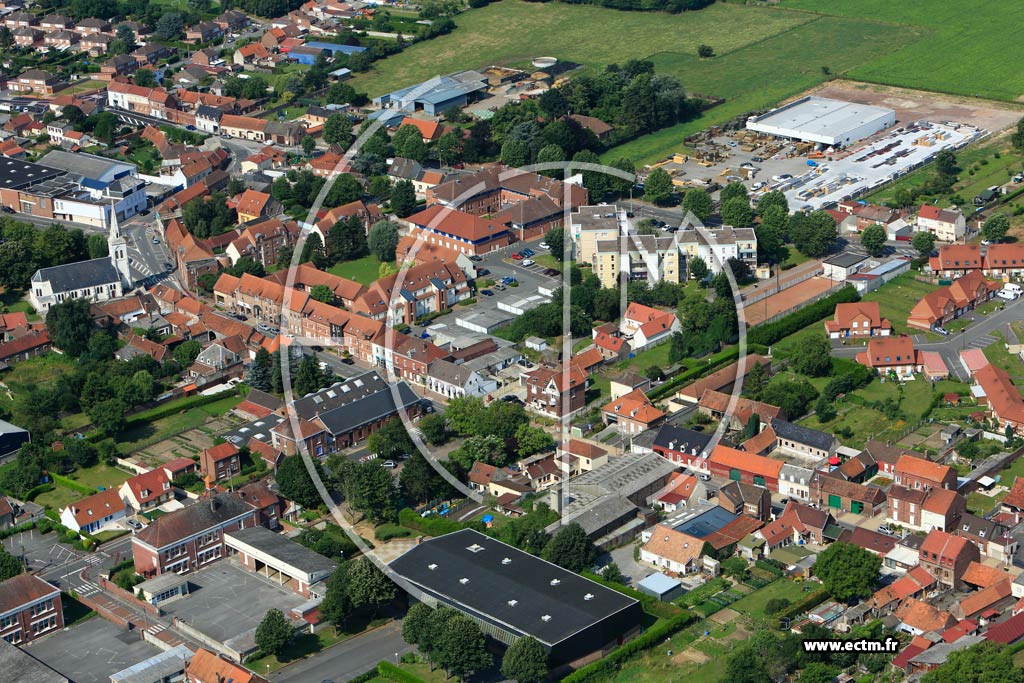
116 590
803 304
773 289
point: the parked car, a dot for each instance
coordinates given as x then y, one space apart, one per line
756 160
528 252
318 349
474 257
528 262
6 209
388 463
134 524
486 292
156 240
347 361
482 271
507 280
500 287
943 331
551 272
512 398
263 327
518 256
543 245
884 529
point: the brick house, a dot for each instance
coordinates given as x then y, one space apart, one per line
944 304
146 491
29 609
220 462
946 557
263 241
735 465
36 81
459 231
554 393
831 490
422 290
955 260
1004 259
918 473
948 225
192 537
633 413
744 499
892 355
858 319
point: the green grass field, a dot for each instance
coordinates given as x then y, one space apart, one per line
100 475
363 271
753 604
514 32
971 50
997 355
58 498
896 298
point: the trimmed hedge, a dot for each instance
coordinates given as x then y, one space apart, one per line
393 673
72 484
366 677
770 333
715 362
174 407
652 637
811 601
386 532
770 566
651 604
435 525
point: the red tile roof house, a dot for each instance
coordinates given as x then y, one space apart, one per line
716 404
146 491
550 391
980 602
644 327
913 584
94 512
999 394
797 523
29 609
633 413
1004 259
459 231
837 493
942 509
192 537
917 617
918 473
735 465
892 355
946 557
858 319
944 304
1013 503
220 462
955 260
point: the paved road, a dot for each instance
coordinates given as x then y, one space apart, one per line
976 335
349 659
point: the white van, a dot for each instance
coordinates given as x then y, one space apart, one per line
1009 292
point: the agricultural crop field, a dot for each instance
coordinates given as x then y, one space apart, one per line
973 47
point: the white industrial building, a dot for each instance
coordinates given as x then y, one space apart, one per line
829 122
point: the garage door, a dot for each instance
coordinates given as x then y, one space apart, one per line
856 507
759 481
734 474
835 501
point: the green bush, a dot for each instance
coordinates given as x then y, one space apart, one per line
699 595
771 566
812 600
386 532
770 333
435 525
653 636
713 363
174 407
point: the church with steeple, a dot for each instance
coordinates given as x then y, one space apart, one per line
99 279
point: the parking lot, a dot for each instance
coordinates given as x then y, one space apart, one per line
227 602
92 650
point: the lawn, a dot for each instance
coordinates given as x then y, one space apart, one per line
657 355
997 355
591 36
39 371
14 301
289 113
970 50
897 298
753 604
58 498
142 434
100 475
364 270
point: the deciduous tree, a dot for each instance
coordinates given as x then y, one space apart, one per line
274 632
873 239
525 661
570 549
847 571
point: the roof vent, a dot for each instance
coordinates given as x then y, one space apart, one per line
555 582
546 617
506 560
432 566
588 596
513 603
475 548
463 580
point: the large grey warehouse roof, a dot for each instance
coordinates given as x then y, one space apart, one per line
811 117
508 587
283 549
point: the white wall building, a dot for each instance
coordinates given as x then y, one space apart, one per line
833 123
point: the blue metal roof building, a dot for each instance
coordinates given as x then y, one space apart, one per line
437 94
